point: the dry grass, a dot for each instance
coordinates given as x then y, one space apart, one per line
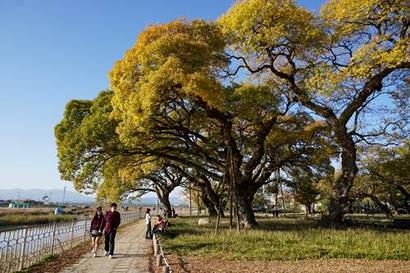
285 246
27 211
31 216
287 239
21 219
53 264
44 211
195 264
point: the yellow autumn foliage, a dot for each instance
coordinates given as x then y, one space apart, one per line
254 24
176 58
350 16
350 41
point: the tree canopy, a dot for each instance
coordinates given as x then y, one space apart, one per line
316 88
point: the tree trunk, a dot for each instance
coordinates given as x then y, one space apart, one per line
212 196
339 201
406 195
164 197
245 210
380 204
245 194
209 205
308 209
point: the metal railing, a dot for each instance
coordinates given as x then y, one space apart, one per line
24 246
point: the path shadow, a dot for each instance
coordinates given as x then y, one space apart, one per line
129 255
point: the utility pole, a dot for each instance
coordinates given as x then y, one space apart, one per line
234 189
190 199
281 192
230 189
64 194
198 202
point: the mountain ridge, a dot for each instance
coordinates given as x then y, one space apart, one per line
56 195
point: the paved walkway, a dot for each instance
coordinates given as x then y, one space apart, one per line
131 254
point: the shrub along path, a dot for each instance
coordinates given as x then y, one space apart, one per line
132 254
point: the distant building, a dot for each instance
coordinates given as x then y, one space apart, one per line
4 203
23 204
19 204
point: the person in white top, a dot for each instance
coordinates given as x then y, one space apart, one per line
148 234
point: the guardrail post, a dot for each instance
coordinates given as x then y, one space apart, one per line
54 238
156 247
85 229
7 255
159 260
72 234
23 250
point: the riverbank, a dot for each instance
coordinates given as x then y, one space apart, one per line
20 220
12 217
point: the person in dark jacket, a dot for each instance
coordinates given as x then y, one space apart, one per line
112 220
97 225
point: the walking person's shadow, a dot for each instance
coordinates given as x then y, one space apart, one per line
129 255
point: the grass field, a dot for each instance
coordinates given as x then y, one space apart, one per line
25 211
31 216
43 211
21 219
286 239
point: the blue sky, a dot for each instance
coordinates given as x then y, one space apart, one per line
52 51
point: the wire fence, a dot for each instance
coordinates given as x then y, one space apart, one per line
24 246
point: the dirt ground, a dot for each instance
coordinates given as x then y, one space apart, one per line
69 257
207 265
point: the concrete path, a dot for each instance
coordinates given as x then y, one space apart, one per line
131 254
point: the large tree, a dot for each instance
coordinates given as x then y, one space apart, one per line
86 141
93 158
334 64
167 96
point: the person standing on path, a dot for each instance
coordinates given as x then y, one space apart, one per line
148 233
112 220
97 225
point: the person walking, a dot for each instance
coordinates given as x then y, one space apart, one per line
112 220
148 233
97 225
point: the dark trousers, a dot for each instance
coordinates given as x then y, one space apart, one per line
148 233
109 242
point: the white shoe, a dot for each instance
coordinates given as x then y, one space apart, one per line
95 254
110 256
106 253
